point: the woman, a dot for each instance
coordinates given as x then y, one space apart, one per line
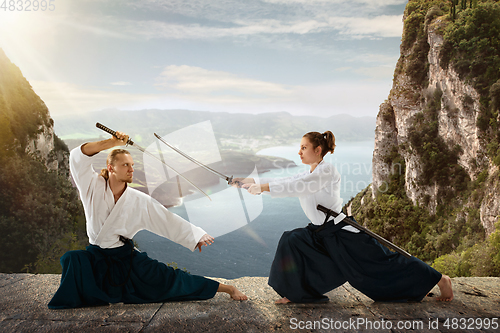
313 260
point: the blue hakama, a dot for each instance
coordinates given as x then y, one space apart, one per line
98 276
309 264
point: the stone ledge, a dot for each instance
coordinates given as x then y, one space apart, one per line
24 298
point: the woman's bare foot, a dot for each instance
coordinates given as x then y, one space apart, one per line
284 300
445 287
232 291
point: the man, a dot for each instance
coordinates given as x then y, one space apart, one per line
110 270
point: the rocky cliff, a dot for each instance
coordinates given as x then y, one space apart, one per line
26 117
421 79
40 215
436 177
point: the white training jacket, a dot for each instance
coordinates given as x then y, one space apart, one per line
134 211
322 186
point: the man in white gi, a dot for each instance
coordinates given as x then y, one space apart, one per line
110 270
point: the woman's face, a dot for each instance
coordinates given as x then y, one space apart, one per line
307 153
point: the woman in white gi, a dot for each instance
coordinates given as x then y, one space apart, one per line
110 270
313 260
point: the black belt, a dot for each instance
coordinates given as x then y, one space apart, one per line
330 225
337 226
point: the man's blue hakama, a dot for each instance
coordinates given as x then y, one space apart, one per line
97 276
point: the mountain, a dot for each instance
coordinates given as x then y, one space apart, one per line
25 120
40 214
231 129
436 177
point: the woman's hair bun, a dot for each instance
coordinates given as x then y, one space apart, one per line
325 140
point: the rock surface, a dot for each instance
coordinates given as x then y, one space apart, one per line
24 298
457 118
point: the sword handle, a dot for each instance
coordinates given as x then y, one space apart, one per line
110 131
230 181
326 210
237 182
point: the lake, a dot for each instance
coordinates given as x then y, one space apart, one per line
249 249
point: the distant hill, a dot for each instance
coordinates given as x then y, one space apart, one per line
230 128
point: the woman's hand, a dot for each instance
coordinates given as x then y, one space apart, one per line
253 189
239 182
206 240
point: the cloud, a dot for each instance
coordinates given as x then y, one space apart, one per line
77 41
121 83
227 11
343 69
355 27
217 84
188 87
158 29
356 98
376 73
374 58
379 3
204 19
379 26
93 25
68 98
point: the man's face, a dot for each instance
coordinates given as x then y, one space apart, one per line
123 168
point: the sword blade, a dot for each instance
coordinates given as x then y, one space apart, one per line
226 178
133 144
177 172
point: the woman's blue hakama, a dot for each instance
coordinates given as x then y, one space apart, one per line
309 264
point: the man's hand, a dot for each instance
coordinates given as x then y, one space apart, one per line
206 240
92 148
120 139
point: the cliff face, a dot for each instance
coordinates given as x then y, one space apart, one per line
27 119
40 215
44 147
457 111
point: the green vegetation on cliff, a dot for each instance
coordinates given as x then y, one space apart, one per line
40 214
472 47
451 234
37 209
427 236
22 112
439 163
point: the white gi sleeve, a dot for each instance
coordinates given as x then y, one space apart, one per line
161 221
305 183
82 172
275 181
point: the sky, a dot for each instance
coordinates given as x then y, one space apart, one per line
305 57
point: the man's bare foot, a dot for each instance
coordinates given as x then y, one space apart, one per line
284 300
445 287
232 291
237 295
